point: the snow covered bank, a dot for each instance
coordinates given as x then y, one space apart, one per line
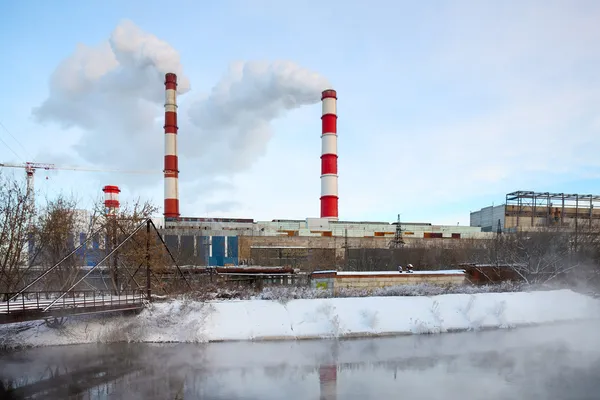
189 321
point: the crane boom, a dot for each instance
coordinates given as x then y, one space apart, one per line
31 167
47 166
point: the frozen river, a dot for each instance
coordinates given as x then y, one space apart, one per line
550 362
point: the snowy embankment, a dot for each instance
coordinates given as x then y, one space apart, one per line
191 321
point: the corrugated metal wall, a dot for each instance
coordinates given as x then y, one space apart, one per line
187 252
224 251
204 250
217 251
487 218
172 242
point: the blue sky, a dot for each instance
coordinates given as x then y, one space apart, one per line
444 107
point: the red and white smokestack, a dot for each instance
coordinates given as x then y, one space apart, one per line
329 157
171 165
111 200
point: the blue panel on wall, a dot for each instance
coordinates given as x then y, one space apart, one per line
218 251
232 247
220 257
92 257
218 246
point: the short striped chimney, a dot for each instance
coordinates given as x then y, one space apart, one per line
329 157
171 165
111 200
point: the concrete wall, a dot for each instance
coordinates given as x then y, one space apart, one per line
309 253
380 281
247 243
383 279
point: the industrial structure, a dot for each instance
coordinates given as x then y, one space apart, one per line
239 241
222 241
488 218
82 224
323 240
31 167
171 162
329 157
111 200
230 241
527 210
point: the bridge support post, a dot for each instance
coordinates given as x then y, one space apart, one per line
148 282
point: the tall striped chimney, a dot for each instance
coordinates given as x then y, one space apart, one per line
171 165
329 176
111 200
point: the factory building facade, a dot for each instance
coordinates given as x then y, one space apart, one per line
529 210
226 241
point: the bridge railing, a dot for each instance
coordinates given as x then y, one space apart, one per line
35 301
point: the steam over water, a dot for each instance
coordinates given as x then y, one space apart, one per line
550 362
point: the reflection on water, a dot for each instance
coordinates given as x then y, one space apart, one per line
554 362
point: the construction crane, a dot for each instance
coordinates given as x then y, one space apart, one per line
31 167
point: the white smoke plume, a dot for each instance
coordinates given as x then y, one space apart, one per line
114 94
234 120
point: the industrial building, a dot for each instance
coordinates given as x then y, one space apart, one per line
323 241
222 241
226 241
326 239
488 218
95 249
526 210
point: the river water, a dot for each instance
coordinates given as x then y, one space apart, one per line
550 362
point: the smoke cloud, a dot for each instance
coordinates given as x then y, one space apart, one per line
113 93
234 120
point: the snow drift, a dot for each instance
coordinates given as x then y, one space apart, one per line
191 321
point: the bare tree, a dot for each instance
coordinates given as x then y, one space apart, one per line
538 256
56 235
139 249
16 214
585 251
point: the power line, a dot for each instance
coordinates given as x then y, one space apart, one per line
10 148
16 140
